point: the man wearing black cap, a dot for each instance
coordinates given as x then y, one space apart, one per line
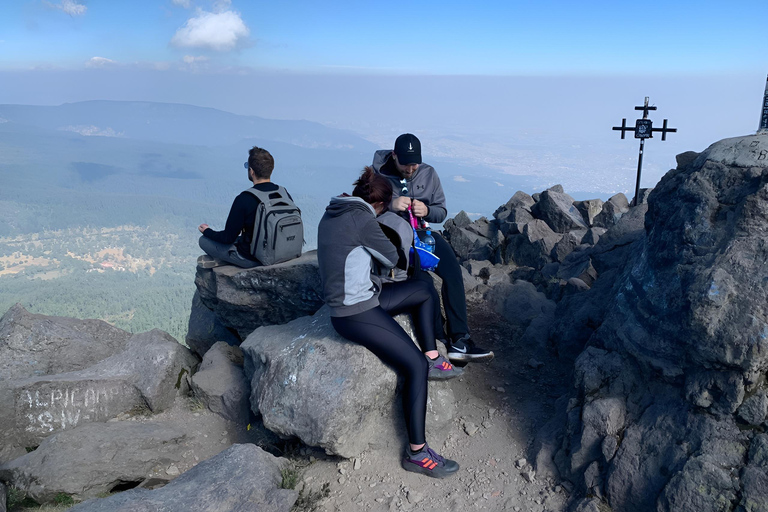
415 185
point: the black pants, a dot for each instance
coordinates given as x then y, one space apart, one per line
454 298
377 331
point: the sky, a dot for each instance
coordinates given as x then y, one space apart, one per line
495 37
515 86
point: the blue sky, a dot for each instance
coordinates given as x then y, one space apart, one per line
510 85
547 37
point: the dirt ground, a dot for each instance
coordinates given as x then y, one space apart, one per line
500 407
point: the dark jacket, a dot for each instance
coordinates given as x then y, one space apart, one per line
242 217
424 185
348 241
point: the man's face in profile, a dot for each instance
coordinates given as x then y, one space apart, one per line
406 171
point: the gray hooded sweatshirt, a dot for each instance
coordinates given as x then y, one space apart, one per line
350 243
424 185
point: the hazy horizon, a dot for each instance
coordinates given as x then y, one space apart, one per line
556 127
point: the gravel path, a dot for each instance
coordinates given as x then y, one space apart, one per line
501 406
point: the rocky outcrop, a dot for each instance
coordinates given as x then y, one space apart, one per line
671 395
35 345
221 383
204 329
147 374
479 240
245 299
94 459
309 382
611 211
558 211
241 478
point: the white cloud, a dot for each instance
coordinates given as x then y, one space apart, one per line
92 131
189 59
182 3
222 31
499 184
70 7
99 62
462 179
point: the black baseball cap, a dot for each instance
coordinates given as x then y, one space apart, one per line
408 149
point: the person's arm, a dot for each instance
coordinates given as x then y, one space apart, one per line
436 209
378 244
234 225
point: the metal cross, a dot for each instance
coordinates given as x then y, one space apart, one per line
764 118
644 130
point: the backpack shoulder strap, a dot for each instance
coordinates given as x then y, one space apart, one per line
264 196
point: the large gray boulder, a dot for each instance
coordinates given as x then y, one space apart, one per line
511 216
148 374
612 211
242 478
478 240
134 449
678 334
589 209
34 345
204 329
533 246
694 297
309 382
221 384
244 299
93 459
558 211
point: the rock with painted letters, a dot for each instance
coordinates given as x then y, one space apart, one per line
149 373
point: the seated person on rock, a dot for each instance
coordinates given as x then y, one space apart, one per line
417 191
248 219
349 239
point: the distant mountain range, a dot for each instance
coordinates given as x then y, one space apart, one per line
178 124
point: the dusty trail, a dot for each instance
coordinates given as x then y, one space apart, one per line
501 405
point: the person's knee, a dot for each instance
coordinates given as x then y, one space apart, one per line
420 369
203 243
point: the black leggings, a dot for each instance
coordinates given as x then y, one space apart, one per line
377 331
454 298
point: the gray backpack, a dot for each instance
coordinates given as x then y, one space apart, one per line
278 232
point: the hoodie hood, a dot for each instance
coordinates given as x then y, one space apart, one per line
343 204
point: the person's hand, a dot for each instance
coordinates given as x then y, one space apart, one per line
401 203
419 209
202 227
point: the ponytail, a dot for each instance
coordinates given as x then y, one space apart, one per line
372 187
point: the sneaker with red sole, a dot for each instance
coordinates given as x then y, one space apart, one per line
441 369
427 462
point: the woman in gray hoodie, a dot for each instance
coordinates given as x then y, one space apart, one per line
349 243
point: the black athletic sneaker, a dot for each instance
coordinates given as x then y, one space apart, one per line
206 261
427 462
463 350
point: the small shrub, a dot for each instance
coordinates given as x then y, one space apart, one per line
290 478
310 501
17 498
195 404
63 499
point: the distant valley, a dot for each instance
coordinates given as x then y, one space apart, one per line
101 199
